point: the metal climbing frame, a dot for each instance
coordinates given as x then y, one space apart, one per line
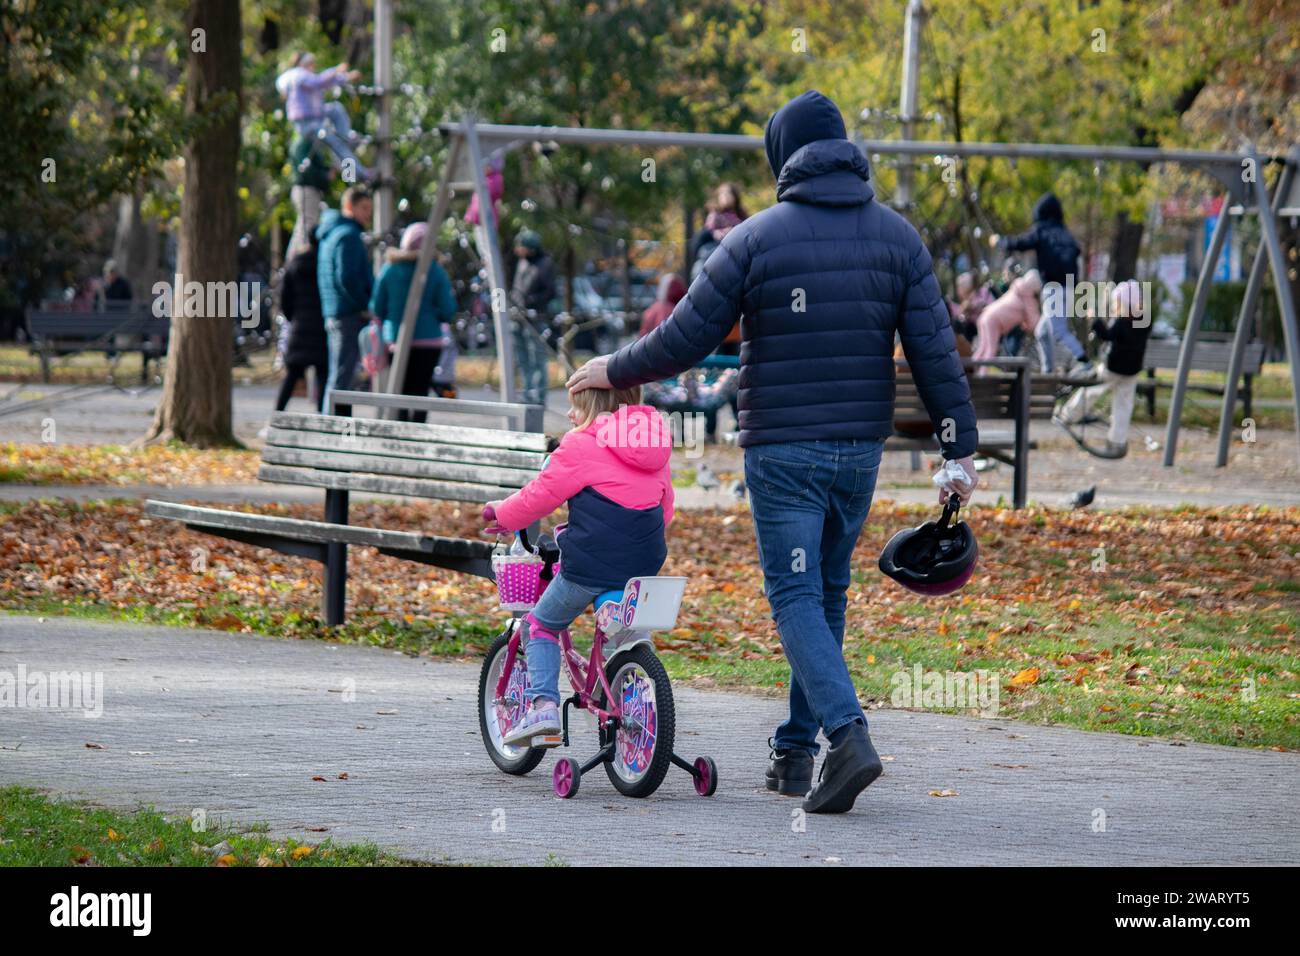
1240 173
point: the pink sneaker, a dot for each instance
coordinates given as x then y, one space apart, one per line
542 720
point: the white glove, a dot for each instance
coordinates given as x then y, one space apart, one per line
956 478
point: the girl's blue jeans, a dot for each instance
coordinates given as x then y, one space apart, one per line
560 605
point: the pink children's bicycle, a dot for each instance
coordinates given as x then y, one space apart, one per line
629 694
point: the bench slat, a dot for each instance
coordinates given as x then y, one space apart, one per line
395 448
411 431
362 463
74 324
988 439
381 485
1207 356
317 531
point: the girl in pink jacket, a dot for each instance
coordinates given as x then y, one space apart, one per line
1018 306
612 469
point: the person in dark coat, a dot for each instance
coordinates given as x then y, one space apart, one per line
531 292
1057 255
307 348
822 282
116 286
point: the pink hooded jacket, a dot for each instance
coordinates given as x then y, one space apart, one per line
624 456
615 476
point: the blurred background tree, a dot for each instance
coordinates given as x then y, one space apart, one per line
98 89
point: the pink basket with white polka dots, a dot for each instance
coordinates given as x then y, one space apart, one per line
519 580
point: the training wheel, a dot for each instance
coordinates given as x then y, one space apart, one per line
565 777
706 776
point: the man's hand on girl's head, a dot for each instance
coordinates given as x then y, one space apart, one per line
592 375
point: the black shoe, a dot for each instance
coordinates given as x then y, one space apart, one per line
790 772
847 770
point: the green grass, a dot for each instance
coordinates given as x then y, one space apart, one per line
36 830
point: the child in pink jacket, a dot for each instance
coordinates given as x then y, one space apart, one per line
1018 306
612 469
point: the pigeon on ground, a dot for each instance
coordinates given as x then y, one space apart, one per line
706 479
1083 498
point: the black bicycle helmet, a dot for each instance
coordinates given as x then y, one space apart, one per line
935 558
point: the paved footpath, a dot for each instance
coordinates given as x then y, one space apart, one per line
238 726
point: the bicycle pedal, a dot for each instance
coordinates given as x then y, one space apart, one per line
549 740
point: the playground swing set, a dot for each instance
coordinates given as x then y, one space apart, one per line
1240 174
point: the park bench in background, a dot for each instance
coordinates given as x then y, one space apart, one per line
117 328
1008 392
1210 355
440 461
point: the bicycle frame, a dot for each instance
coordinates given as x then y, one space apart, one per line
584 675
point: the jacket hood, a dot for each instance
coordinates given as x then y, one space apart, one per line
332 220
671 289
637 435
805 119
329 218
1048 209
811 157
828 172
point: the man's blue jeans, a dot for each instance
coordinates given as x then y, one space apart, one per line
809 500
341 336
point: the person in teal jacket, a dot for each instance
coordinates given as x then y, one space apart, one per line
345 280
437 307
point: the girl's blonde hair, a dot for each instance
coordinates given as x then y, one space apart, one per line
591 403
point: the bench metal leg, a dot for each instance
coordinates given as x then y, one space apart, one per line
916 459
1151 395
336 561
1020 478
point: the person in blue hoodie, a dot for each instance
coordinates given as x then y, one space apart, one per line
437 307
821 282
343 273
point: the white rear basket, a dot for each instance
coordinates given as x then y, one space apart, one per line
650 604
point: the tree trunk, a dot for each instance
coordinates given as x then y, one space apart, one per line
136 246
1128 244
195 406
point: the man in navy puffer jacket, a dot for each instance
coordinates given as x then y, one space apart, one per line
821 282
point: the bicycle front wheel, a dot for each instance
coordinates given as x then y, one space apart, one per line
496 717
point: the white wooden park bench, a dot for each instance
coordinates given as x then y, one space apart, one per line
440 461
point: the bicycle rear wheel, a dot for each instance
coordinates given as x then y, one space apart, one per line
643 742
